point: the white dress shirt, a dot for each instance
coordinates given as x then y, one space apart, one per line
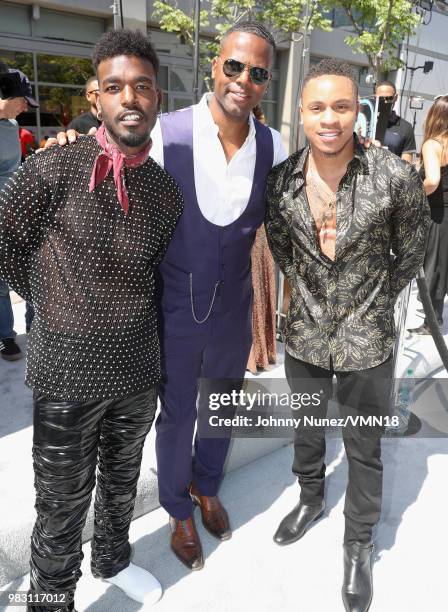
222 189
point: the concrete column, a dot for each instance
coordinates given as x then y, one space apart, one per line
291 65
289 79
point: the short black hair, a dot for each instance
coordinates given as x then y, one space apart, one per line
90 81
386 84
124 42
331 66
251 27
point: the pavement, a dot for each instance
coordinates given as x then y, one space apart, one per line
249 572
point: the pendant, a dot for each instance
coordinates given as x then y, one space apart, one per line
326 217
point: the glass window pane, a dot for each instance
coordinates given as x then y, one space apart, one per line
340 18
79 103
162 77
181 79
178 103
63 69
165 102
272 92
58 106
17 59
270 112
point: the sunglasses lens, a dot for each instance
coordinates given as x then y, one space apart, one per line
232 68
259 75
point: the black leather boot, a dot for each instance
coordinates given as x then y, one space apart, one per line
357 590
296 523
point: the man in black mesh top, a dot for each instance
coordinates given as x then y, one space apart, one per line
81 230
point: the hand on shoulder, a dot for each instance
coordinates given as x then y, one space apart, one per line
63 138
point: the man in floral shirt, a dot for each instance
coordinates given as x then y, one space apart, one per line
336 213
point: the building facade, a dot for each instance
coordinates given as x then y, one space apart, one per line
53 45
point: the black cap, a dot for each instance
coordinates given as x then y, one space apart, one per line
25 88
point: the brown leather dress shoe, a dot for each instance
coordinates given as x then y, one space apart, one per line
185 543
214 515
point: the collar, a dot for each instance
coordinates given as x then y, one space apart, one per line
359 160
393 119
205 124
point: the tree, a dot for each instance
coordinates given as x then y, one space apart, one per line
380 26
281 16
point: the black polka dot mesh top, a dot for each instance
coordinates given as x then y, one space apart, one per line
88 270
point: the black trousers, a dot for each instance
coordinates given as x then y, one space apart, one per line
436 259
72 439
363 393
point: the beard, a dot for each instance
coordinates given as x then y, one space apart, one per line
128 139
339 151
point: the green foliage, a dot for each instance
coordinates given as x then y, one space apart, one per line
173 19
281 16
379 27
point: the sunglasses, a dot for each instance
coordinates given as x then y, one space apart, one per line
440 96
233 68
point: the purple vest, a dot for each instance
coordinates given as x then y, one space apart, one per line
206 269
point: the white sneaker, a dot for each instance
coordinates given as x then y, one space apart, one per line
138 584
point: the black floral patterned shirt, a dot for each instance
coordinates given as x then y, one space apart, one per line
341 311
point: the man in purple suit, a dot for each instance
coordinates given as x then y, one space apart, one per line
220 157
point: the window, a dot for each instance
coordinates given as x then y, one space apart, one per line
58 87
269 104
60 69
177 85
22 61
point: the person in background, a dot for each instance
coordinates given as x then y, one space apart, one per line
399 137
27 143
264 350
88 120
10 157
434 170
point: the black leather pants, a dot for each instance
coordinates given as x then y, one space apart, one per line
70 439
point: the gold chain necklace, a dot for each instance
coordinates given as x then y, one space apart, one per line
328 199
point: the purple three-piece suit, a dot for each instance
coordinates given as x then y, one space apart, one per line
206 315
